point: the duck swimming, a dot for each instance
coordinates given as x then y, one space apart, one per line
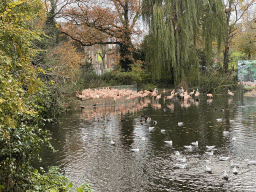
225 175
195 143
168 142
235 171
208 169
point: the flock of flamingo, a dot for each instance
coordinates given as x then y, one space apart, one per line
126 100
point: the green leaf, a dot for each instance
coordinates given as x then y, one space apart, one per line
70 185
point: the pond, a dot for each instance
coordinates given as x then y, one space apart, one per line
110 146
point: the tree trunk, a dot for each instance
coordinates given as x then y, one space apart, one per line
249 56
226 49
226 56
126 44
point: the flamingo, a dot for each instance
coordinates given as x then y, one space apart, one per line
230 93
158 97
209 95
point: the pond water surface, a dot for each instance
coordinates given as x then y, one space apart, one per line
84 140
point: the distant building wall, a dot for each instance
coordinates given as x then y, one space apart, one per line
93 55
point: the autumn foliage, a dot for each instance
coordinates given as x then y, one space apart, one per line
112 22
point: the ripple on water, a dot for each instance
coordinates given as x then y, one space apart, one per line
86 154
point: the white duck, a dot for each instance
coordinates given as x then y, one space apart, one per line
183 160
188 146
224 158
151 129
181 166
168 142
180 123
112 142
225 175
163 131
209 153
210 147
195 143
250 162
135 150
225 133
235 171
208 169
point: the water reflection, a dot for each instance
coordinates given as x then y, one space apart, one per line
142 160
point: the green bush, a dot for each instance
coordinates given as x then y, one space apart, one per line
54 181
216 80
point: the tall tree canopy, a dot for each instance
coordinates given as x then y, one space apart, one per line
245 39
21 94
234 12
108 22
176 26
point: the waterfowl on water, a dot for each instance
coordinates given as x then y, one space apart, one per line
230 93
192 93
180 123
195 143
234 138
235 171
112 142
225 133
209 95
207 161
168 142
219 120
250 162
181 166
151 129
188 146
224 158
225 175
177 153
210 147
163 131
154 122
135 150
148 119
208 169
183 160
209 153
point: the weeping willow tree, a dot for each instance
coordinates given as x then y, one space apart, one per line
176 28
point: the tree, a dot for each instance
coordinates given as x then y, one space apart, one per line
111 22
245 40
62 66
175 27
234 11
21 92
